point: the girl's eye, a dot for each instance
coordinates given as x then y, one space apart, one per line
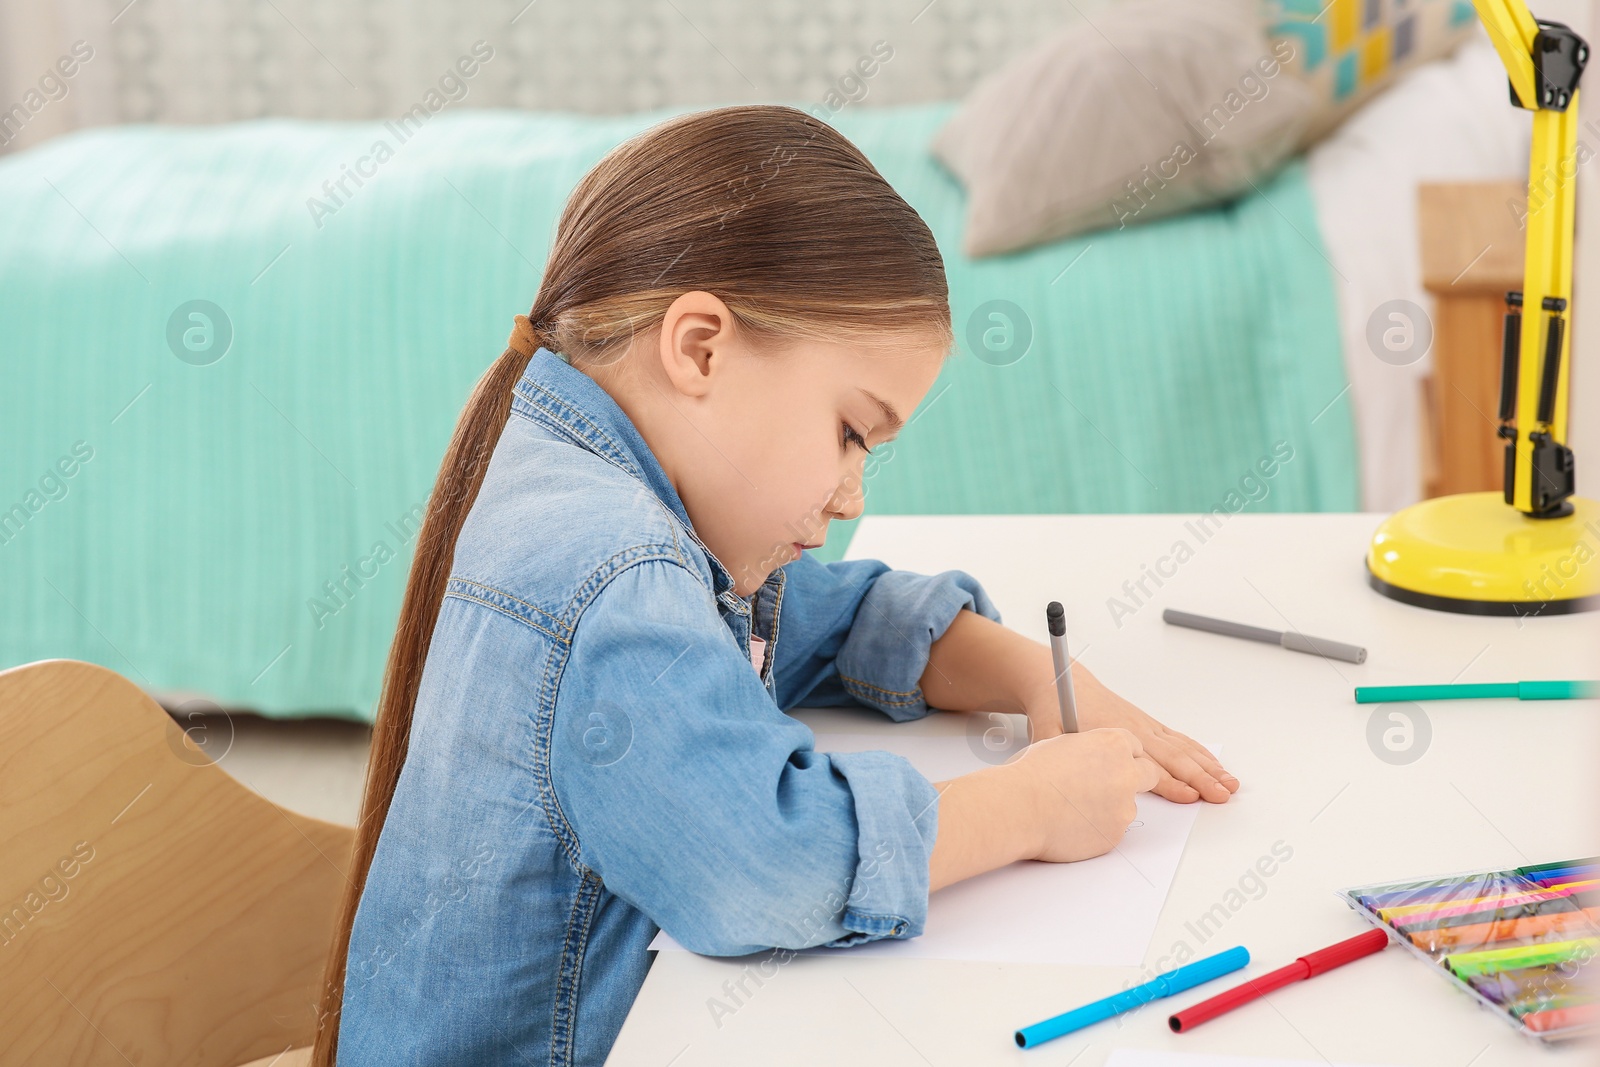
850 436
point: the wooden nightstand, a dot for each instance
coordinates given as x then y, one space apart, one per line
1472 252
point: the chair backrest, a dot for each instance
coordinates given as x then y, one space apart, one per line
153 910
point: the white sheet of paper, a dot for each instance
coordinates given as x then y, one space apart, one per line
1095 912
1129 1057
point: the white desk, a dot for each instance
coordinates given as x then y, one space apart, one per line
1501 783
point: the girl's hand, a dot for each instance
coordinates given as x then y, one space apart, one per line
979 665
1062 799
1084 786
1189 771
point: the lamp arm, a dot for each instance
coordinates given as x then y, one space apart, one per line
1544 62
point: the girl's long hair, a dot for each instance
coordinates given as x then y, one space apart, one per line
766 207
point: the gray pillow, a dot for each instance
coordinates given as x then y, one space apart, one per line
1145 109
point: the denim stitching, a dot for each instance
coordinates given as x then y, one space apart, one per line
710 555
488 595
545 712
608 570
777 618
544 721
911 693
672 528
605 440
558 423
469 598
554 423
569 975
543 715
465 588
875 916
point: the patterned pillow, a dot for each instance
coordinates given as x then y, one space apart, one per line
1347 50
1151 108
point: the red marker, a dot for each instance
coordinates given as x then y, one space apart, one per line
1560 1018
1307 966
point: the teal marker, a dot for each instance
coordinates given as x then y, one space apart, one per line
1383 694
1162 985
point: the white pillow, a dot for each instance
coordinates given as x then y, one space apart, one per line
1148 108
1449 120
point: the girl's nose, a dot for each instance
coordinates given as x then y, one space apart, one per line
849 499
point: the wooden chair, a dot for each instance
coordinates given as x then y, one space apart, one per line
153 910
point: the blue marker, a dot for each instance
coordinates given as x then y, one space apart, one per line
1162 985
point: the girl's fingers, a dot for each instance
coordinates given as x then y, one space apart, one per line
1174 790
1202 755
1204 759
1215 786
1198 748
1152 777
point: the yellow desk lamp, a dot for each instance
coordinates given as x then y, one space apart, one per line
1534 548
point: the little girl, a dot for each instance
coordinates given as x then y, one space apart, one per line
581 736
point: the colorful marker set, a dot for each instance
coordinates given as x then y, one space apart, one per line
1520 941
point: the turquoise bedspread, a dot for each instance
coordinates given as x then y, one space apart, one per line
242 526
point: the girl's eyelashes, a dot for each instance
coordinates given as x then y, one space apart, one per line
850 436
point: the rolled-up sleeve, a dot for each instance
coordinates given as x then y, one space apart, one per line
700 803
859 632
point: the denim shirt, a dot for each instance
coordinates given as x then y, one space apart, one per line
593 756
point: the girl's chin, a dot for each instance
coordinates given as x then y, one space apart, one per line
755 574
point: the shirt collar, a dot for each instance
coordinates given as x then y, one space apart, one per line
574 405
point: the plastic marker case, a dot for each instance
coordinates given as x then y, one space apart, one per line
1521 941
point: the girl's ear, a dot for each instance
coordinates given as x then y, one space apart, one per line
696 330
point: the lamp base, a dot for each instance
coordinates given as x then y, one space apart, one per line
1475 554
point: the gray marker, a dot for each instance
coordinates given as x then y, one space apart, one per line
1056 616
1294 642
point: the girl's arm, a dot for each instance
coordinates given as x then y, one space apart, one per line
858 632
978 662
677 782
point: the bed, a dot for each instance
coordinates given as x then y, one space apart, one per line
223 508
